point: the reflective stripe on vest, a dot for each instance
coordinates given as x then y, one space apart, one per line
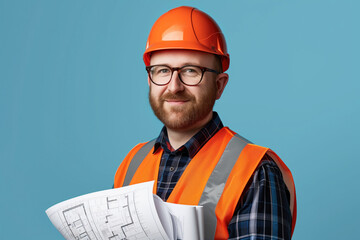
221 170
136 161
216 183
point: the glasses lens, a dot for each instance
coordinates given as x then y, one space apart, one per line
160 74
191 75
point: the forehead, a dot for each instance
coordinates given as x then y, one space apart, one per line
176 58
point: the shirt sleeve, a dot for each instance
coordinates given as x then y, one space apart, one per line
263 212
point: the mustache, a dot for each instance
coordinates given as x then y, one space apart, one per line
177 96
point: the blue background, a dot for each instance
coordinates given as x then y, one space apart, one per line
73 100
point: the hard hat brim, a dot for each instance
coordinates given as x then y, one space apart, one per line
183 45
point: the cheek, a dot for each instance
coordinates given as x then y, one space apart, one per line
156 91
207 92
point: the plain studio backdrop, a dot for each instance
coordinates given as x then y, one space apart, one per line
73 100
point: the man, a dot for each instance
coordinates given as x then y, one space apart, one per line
246 190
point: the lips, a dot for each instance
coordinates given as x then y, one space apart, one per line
176 100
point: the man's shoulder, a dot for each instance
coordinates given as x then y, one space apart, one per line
143 146
247 140
235 134
269 157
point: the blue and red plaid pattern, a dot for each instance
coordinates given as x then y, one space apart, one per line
262 213
173 162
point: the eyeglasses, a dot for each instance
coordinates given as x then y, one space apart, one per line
189 75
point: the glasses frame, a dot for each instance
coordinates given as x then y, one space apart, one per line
173 69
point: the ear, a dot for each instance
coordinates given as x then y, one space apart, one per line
221 81
149 81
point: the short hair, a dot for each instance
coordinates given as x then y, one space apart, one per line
218 63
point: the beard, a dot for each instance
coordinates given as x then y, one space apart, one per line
185 115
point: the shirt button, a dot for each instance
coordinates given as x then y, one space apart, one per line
172 169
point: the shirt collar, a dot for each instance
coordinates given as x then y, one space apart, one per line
196 142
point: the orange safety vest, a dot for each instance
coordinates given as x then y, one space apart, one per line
215 178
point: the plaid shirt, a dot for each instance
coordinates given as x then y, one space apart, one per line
262 213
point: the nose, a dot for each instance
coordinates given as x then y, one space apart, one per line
175 85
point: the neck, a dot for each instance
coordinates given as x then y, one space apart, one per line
179 137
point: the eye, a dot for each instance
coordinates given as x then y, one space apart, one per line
160 70
191 71
164 70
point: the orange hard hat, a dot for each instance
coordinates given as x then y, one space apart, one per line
187 28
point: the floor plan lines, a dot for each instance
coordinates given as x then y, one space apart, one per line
78 223
121 225
115 214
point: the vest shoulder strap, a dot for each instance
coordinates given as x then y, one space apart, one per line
137 160
216 182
